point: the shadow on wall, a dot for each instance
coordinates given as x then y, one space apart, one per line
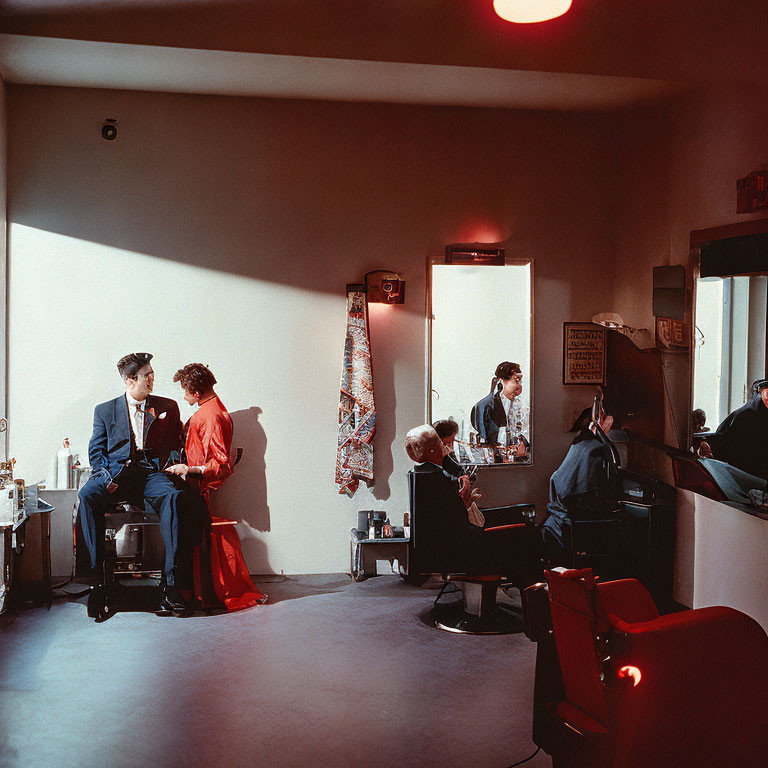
244 496
384 392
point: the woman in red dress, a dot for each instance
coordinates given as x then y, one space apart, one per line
210 462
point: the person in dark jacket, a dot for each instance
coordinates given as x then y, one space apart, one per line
742 437
133 437
495 417
579 488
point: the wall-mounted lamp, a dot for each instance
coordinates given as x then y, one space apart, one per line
383 286
530 11
474 253
611 320
642 338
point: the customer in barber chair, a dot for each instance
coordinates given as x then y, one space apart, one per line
133 436
742 438
579 487
465 545
209 462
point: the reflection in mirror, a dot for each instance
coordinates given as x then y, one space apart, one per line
480 364
729 380
730 345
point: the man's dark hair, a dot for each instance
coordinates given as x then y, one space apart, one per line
445 428
196 378
130 365
507 370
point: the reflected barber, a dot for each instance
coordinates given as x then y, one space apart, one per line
498 416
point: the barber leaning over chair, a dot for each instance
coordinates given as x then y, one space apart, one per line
132 438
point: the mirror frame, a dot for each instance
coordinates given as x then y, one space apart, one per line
508 262
699 236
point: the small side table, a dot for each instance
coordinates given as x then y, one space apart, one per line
365 552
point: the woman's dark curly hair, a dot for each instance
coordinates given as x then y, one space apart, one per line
196 378
445 428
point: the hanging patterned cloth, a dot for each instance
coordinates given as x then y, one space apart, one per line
357 414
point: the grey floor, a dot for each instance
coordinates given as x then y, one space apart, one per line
329 673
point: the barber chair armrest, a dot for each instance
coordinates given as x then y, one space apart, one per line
509 514
509 527
627 600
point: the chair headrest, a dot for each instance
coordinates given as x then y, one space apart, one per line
575 589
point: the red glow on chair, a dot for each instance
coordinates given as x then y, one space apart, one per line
530 11
631 672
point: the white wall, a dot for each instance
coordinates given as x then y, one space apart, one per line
3 245
677 172
223 230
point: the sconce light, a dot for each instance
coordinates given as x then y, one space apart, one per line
384 286
474 253
611 320
530 11
642 338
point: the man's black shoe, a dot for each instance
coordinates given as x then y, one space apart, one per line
98 607
172 601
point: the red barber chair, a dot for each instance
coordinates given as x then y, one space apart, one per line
618 686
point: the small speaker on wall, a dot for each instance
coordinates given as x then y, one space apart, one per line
669 292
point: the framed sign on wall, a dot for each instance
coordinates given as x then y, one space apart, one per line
583 353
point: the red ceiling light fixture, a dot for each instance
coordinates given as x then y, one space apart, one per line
530 11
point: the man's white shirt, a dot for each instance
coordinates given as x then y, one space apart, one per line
136 420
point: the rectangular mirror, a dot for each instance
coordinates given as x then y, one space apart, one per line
729 344
481 318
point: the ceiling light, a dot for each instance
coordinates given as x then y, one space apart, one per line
530 11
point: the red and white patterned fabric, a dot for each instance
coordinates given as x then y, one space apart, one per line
357 413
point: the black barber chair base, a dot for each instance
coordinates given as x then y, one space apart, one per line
478 612
132 566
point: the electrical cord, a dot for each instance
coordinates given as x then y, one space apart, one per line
530 757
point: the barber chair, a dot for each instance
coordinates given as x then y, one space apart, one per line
134 556
618 686
637 538
133 550
510 530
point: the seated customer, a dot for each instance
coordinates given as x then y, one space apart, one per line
133 436
465 547
579 487
210 462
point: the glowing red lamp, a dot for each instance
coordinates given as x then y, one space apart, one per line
633 673
530 11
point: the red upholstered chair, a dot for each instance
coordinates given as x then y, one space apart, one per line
639 690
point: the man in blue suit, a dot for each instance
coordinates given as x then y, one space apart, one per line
132 438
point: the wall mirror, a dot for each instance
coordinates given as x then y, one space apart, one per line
730 318
480 316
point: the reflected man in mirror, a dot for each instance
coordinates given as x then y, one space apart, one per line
741 440
498 416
